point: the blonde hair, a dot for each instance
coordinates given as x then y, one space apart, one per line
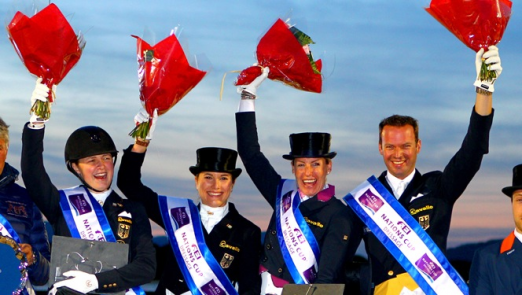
4 131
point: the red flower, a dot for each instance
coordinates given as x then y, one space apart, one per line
477 23
46 44
165 76
281 51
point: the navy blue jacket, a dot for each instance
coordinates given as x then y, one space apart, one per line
430 197
331 222
497 269
27 221
234 241
142 254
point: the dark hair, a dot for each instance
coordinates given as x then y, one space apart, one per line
399 121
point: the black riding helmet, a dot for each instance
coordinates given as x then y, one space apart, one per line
85 142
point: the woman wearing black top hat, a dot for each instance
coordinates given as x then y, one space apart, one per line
233 240
334 226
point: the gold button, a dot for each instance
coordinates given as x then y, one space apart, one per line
115 285
280 270
105 286
390 273
268 246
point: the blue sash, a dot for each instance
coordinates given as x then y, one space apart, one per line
202 272
78 201
7 226
405 239
298 245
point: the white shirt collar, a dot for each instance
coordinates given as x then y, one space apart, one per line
101 197
518 235
394 181
210 216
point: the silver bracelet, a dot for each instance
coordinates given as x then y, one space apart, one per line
247 95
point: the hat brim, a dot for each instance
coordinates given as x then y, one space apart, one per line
509 190
196 170
328 156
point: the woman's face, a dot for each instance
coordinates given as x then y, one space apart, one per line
214 188
97 171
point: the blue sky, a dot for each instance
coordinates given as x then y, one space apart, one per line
382 58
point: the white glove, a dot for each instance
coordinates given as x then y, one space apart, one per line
81 281
252 87
492 59
142 116
40 93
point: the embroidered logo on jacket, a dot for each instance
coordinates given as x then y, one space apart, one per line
424 221
226 261
124 225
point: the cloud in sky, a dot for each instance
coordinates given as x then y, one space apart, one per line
382 57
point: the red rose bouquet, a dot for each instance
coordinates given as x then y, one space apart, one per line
477 23
48 47
165 77
285 50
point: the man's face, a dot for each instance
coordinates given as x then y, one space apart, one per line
214 188
310 174
399 149
516 203
3 154
97 171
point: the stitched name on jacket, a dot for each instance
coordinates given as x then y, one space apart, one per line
316 223
224 244
415 211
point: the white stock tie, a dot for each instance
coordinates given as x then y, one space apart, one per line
400 189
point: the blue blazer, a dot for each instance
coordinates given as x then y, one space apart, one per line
497 268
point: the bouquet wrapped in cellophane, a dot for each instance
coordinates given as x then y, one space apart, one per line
48 47
165 77
477 23
286 51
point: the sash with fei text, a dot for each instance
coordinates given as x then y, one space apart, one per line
86 220
405 239
200 269
297 242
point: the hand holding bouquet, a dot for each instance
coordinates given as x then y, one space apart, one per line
165 77
48 47
286 51
477 23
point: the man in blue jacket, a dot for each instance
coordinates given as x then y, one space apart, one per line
497 268
20 218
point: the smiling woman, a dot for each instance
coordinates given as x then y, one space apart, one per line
215 226
93 207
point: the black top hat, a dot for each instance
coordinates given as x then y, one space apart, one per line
216 159
517 181
310 145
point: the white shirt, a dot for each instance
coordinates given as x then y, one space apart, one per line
211 216
396 183
101 197
518 235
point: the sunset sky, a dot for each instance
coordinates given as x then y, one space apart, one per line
381 58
